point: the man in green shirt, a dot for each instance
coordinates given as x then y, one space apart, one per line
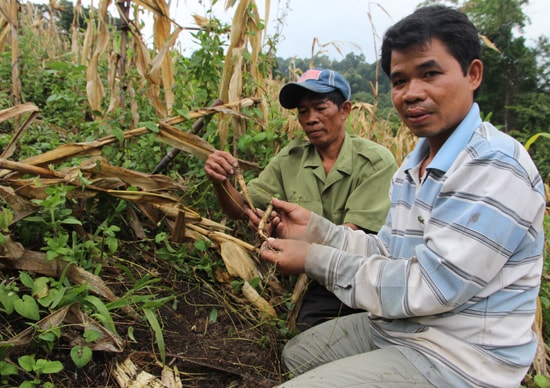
339 176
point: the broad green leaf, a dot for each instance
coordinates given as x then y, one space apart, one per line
40 287
213 317
81 355
7 369
26 362
71 221
47 366
118 133
26 279
541 381
27 307
7 300
50 335
91 335
150 125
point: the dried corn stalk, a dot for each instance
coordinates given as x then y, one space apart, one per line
257 301
94 86
68 316
245 34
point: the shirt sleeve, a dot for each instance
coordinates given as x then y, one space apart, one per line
267 185
483 234
368 203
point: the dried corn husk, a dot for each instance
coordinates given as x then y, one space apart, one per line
257 301
127 376
237 260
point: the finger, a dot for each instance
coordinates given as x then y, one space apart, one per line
275 244
280 204
252 216
268 254
252 225
223 163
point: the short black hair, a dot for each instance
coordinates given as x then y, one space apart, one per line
450 26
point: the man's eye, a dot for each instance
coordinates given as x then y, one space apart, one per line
431 74
397 82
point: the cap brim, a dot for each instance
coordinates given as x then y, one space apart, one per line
291 94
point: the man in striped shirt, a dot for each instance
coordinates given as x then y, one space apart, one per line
450 282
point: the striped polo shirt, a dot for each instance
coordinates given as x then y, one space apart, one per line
455 272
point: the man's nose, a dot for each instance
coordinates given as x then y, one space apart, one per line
414 91
310 116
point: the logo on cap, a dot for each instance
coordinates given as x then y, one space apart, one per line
310 74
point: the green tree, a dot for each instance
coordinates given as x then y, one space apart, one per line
510 72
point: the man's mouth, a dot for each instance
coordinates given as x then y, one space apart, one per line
417 116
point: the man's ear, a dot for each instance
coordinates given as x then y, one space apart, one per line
346 107
475 74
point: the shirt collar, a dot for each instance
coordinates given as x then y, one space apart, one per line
343 162
448 153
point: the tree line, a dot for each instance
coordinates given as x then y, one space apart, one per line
515 94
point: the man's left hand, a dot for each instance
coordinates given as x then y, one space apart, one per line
288 255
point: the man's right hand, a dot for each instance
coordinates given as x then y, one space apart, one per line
220 165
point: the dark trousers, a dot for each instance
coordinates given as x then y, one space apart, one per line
320 305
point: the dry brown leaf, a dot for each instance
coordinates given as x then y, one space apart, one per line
489 43
178 230
99 167
142 60
170 377
220 236
72 316
20 207
25 168
135 223
116 98
156 7
142 196
201 21
300 288
237 260
4 32
94 87
257 301
17 110
185 141
10 147
191 143
15 256
67 151
127 376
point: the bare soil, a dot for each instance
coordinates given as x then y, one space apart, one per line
212 338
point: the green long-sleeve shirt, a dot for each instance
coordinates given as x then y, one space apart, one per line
354 191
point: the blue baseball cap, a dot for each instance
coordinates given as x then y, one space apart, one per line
315 80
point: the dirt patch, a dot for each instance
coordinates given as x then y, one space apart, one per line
210 337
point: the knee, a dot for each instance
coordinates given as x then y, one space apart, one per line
287 355
295 355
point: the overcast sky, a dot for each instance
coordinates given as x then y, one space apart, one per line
345 22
